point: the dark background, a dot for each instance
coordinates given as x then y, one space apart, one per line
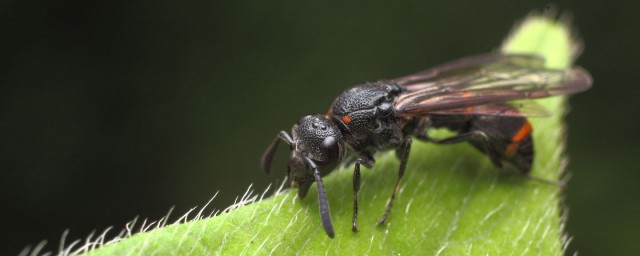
116 109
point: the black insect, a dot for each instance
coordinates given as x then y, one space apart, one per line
485 99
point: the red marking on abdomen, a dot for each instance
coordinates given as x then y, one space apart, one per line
522 133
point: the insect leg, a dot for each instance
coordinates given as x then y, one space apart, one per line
323 203
367 161
476 135
482 139
356 188
404 156
267 156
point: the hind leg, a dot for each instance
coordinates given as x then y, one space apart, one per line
478 137
502 138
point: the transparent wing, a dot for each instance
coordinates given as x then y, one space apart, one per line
464 85
513 108
466 68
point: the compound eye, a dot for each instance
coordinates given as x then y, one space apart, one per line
330 147
385 109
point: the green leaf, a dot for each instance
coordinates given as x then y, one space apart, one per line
452 200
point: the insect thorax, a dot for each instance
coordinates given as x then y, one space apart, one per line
365 115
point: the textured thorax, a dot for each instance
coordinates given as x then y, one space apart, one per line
366 115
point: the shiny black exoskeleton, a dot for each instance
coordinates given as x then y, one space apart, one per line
470 96
365 115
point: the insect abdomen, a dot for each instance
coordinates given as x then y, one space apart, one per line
520 152
508 137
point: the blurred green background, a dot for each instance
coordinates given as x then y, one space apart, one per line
117 109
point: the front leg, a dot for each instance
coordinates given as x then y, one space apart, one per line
368 161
